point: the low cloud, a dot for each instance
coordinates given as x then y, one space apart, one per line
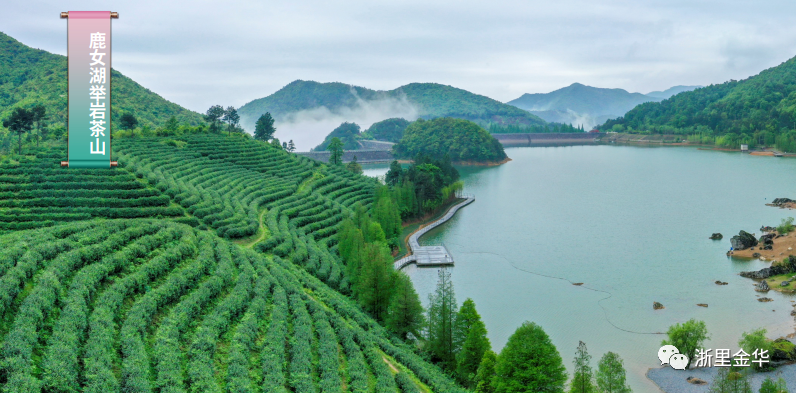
307 128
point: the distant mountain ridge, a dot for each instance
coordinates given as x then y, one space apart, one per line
31 76
428 100
672 91
579 104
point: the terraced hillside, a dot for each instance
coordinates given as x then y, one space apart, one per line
245 189
236 301
37 192
146 305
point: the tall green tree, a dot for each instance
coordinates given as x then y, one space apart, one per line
582 377
486 373
471 343
291 147
128 121
529 363
611 374
771 386
374 285
730 380
687 337
20 122
394 174
441 322
232 118
336 151
264 127
405 313
354 166
171 126
753 342
386 213
213 116
39 117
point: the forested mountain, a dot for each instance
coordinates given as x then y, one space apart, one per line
579 104
758 110
32 76
671 91
429 100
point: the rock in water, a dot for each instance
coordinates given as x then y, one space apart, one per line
765 299
657 306
743 241
696 381
716 236
718 282
702 305
762 286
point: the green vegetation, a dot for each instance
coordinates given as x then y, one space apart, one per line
687 337
151 304
472 341
611 374
759 110
461 140
730 380
430 100
29 77
424 186
441 341
336 150
529 363
390 130
264 128
354 166
755 342
583 376
786 226
347 133
771 386
486 373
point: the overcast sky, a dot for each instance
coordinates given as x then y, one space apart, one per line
200 53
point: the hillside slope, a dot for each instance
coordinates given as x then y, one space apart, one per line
31 76
152 304
761 108
429 100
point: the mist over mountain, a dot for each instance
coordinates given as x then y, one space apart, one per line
580 104
306 111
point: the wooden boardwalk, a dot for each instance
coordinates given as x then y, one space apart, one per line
430 255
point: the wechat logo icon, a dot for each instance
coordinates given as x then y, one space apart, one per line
669 354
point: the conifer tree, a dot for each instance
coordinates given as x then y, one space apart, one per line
486 373
611 374
470 342
583 377
405 313
441 322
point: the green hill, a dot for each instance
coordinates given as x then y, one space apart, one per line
240 299
759 109
461 140
431 100
31 76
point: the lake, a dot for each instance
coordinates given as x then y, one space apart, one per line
630 223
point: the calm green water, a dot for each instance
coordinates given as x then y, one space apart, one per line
632 224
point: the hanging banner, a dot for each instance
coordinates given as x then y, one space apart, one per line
89 81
